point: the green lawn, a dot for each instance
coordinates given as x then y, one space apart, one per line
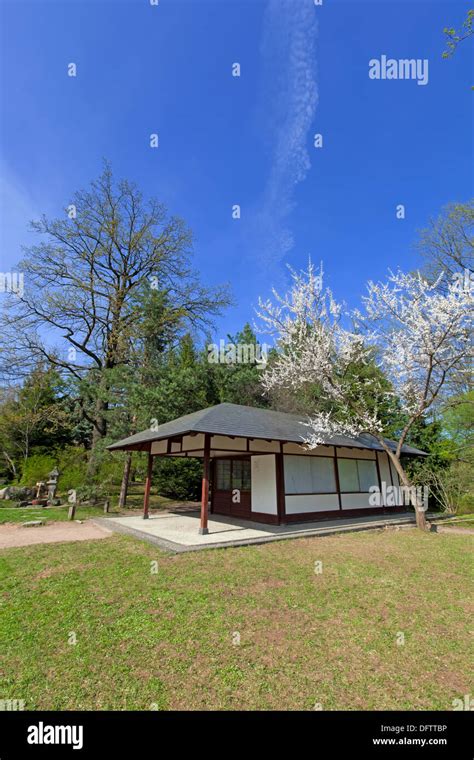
458 521
10 514
49 514
169 640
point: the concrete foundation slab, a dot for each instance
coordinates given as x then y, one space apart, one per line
180 532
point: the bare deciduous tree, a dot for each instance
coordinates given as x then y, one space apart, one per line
80 309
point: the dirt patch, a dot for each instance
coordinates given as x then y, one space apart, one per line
50 572
43 574
16 535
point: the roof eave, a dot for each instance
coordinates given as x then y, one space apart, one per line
146 445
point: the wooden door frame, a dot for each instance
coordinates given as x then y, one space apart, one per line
232 457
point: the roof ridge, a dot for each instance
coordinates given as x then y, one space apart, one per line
254 408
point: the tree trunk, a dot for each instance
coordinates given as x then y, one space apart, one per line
127 469
10 463
99 431
421 521
125 479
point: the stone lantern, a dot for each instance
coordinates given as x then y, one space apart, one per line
52 484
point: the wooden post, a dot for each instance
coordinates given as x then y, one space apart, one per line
338 485
203 529
146 498
280 486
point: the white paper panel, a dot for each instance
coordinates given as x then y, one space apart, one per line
312 503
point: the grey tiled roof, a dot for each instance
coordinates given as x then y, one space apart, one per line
246 422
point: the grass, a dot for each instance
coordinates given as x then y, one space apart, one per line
459 521
47 514
170 639
10 514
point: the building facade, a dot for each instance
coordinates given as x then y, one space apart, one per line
256 466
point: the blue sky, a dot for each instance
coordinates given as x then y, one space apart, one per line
224 140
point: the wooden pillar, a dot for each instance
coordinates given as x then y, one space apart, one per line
280 486
146 498
203 529
338 485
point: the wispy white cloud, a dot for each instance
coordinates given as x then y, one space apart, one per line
289 96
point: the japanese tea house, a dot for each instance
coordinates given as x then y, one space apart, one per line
256 466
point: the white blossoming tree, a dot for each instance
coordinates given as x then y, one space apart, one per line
420 337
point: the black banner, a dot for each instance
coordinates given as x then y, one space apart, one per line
131 734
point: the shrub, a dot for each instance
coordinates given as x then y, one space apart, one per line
72 466
451 489
93 492
111 470
36 468
178 478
